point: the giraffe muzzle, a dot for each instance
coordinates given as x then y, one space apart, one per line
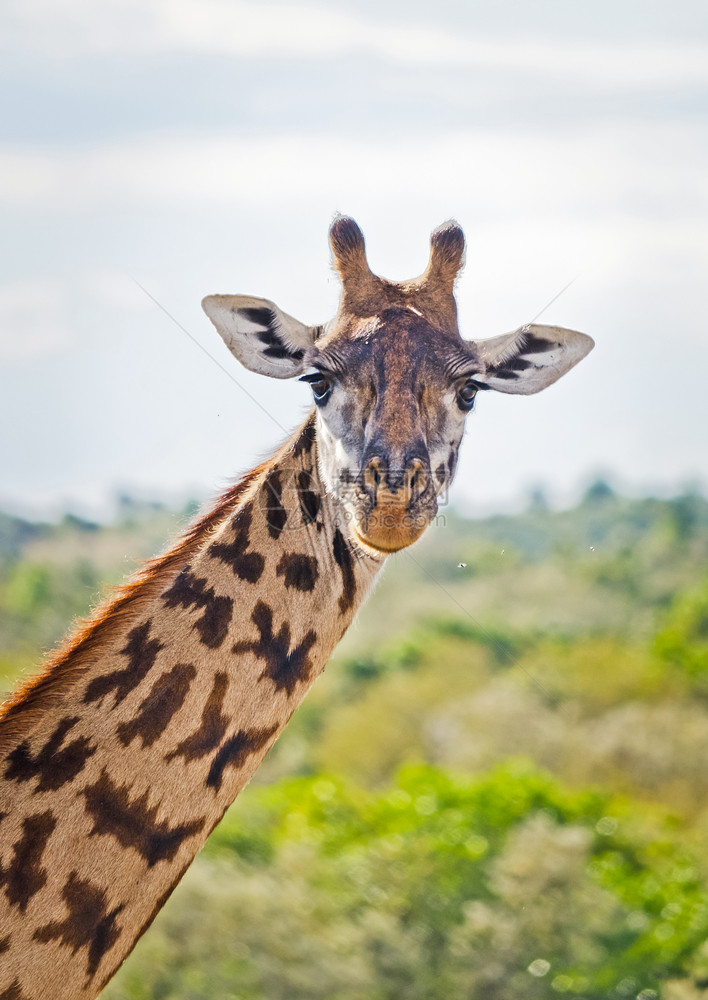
401 504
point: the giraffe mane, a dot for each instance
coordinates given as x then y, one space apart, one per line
25 708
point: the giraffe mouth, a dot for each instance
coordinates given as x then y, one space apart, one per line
390 527
366 543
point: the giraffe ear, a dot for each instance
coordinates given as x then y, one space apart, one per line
263 338
529 359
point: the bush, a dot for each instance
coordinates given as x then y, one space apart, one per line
682 642
503 887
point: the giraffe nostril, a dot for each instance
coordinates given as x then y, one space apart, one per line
373 476
416 479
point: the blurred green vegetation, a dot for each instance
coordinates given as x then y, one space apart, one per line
498 788
499 887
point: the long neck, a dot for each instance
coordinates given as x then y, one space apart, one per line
119 761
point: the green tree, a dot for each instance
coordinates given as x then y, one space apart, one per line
682 642
500 887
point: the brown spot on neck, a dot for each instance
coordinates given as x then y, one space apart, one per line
89 923
190 591
141 652
165 699
213 724
275 513
245 565
53 765
286 667
309 498
236 750
304 443
343 557
25 875
133 823
299 570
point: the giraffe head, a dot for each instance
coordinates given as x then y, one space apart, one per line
392 379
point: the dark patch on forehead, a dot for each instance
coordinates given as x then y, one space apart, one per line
141 653
343 558
440 472
236 751
190 591
245 565
133 823
275 514
284 666
406 337
157 710
452 461
310 501
299 570
89 923
25 876
275 345
52 765
391 363
397 334
213 724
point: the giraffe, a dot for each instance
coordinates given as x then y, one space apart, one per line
118 760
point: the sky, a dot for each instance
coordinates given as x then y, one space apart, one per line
157 151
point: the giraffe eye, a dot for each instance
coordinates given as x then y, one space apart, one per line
465 395
320 385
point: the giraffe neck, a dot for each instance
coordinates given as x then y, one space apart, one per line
119 761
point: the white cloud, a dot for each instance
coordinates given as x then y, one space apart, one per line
603 169
607 199
616 204
265 30
612 205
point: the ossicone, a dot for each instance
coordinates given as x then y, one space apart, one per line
447 253
348 248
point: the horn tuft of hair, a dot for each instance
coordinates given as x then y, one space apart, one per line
348 246
447 251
